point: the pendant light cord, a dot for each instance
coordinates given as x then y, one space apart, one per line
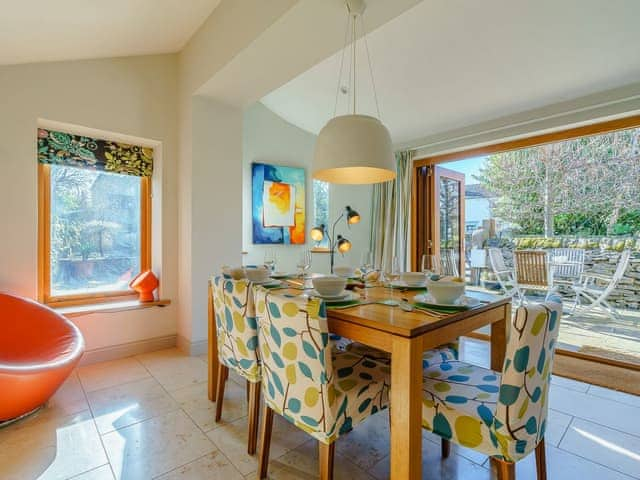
353 55
373 82
344 49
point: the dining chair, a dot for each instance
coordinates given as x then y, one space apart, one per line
597 295
533 272
321 390
503 415
237 334
567 264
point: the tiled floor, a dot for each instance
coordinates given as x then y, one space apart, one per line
149 417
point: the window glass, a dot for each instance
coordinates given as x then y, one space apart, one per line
95 225
321 208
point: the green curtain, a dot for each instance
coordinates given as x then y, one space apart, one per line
60 148
390 214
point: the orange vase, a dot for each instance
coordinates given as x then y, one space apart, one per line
145 283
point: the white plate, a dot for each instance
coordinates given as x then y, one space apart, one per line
463 301
269 282
280 275
403 284
345 295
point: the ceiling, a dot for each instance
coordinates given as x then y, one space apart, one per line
50 30
446 64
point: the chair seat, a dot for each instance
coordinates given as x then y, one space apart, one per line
459 403
444 353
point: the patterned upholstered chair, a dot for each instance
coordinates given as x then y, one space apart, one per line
237 333
324 391
503 415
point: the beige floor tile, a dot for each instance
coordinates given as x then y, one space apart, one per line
468 453
603 445
100 473
562 465
435 468
302 463
173 369
368 442
570 383
54 448
213 466
195 401
626 398
123 405
557 423
599 410
109 374
155 446
231 439
69 399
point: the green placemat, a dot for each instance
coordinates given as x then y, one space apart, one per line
441 308
343 304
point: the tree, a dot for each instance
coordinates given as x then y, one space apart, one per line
596 177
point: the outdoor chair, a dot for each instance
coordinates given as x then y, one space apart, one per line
446 262
504 275
567 264
533 272
596 295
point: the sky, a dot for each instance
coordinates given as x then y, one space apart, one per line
469 166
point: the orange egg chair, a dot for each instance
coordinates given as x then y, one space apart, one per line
39 348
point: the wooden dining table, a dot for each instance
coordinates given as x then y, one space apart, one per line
405 335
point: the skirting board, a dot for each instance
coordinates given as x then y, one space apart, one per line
192 348
128 349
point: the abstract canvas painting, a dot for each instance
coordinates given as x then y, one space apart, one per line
278 204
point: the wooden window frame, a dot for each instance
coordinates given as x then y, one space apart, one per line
44 247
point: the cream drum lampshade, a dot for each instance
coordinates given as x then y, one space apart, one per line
354 149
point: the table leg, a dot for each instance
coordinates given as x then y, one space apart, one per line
212 348
406 408
499 339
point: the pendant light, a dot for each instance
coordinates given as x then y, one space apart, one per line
354 149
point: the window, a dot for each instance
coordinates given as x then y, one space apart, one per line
94 218
321 209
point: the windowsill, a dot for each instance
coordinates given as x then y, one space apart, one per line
79 310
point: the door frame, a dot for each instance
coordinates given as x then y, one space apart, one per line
632 121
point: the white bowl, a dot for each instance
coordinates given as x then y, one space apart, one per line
444 290
344 271
257 274
413 279
329 286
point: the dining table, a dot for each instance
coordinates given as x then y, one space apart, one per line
405 334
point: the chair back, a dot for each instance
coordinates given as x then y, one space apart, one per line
449 262
623 263
236 326
496 259
568 263
521 414
296 359
532 267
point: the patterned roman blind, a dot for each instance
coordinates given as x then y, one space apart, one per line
60 148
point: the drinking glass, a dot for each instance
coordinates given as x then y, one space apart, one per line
366 262
304 262
430 264
270 260
391 274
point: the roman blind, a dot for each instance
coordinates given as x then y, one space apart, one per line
60 148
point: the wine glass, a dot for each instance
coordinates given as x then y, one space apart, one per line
430 264
366 263
391 274
270 260
304 262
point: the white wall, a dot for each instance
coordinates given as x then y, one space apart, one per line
133 96
267 138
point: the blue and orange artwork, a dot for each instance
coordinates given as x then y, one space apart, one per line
278 204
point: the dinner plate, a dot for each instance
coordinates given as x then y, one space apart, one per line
463 302
277 275
403 284
270 282
345 295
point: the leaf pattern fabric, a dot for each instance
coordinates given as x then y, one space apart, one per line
444 353
61 148
322 390
503 415
236 326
